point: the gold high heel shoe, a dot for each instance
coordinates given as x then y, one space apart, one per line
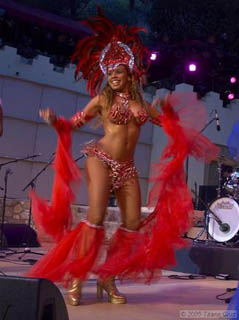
114 296
74 292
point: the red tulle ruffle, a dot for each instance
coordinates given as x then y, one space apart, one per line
75 256
55 219
142 254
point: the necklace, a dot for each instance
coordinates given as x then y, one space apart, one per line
124 99
120 112
123 95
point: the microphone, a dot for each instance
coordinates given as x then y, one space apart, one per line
217 120
7 172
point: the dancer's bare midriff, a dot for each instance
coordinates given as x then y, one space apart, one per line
119 141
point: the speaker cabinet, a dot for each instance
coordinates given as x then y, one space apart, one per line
213 260
207 194
19 235
30 299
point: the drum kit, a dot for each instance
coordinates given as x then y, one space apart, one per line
222 214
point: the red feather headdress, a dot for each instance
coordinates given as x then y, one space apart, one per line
110 46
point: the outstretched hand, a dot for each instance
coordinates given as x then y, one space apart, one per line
48 115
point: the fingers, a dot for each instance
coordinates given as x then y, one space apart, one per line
41 113
47 114
44 113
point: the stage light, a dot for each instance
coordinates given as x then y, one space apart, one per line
233 79
230 96
192 67
153 56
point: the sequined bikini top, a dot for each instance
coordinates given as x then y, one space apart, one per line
120 112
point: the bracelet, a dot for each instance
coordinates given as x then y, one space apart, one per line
80 118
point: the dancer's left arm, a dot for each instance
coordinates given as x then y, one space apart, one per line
154 114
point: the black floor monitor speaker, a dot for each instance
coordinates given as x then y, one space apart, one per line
30 299
214 259
208 259
19 235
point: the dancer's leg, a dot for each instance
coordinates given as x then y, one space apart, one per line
76 254
97 177
98 184
129 201
123 241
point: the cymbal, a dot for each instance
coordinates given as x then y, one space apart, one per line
228 161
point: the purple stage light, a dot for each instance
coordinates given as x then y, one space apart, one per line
192 67
153 56
233 79
230 96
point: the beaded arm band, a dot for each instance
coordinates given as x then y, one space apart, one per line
80 118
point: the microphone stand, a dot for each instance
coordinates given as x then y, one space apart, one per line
187 160
82 156
32 184
208 210
206 223
3 244
18 159
27 249
3 241
40 172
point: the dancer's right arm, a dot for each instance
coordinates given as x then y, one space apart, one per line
78 119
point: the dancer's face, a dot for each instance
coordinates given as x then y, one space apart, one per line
118 78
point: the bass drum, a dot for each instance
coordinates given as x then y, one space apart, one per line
227 210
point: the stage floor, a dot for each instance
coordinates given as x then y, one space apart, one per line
170 299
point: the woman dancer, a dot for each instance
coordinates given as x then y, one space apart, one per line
138 249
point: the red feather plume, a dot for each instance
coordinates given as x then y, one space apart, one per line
88 50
